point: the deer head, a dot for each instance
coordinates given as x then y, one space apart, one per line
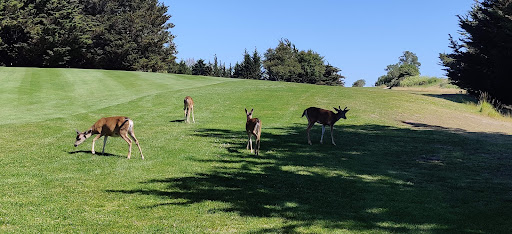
82 136
249 114
341 113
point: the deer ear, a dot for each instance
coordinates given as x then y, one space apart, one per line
77 132
246 110
252 110
335 109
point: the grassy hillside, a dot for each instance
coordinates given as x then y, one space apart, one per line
404 161
425 81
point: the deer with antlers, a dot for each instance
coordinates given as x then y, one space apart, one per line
253 128
111 126
324 117
188 108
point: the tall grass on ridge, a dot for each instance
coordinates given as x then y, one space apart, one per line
426 81
491 107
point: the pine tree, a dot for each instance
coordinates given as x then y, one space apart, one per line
287 63
480 61
201 69
250 68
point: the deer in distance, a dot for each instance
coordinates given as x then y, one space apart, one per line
253 128
188 108
324 117
110 126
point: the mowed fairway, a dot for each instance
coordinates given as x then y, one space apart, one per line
404 162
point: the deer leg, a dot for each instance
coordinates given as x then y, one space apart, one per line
310 125
125 138
93 141
332 138
249 143
132 135
104 144
322 137
257 149
193 119
185 112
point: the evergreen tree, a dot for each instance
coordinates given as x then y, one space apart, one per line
215 69
480 61
50 33
182 68
312 67
282 63
128 35
287 63
15 37
331 76
256 65
201 69
250 68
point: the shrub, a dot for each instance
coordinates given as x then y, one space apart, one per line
420 81
489 106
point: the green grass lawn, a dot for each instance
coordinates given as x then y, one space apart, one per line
385 175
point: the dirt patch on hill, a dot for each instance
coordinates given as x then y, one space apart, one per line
465 123
450 120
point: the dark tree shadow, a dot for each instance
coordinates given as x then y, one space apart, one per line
458 98
377 178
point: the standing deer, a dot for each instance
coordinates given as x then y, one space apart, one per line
324 117
188 107
111 126
253 128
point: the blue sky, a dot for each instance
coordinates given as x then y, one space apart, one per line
360 37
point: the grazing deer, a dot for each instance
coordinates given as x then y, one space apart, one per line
188 107
110 126
253 128
324 117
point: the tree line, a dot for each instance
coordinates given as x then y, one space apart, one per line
283 63
123 35
131 35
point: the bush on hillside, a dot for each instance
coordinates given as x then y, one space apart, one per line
426 81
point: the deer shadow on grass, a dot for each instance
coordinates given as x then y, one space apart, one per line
177 121
97 153
378 178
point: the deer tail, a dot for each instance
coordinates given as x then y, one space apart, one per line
305 113
257 127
